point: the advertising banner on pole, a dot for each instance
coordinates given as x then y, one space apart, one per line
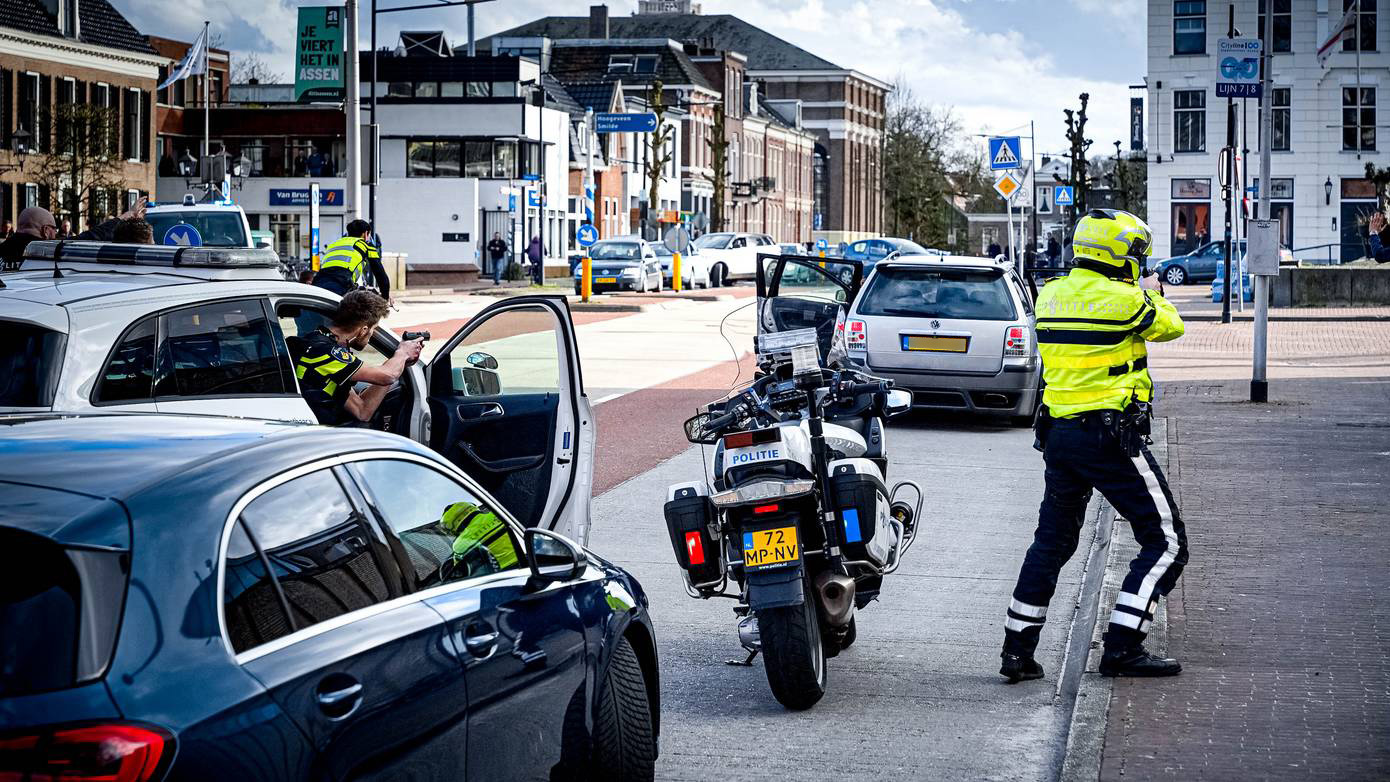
319 64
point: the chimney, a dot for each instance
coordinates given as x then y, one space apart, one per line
598 21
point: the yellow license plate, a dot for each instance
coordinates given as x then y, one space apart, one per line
606 279
767 547
938 344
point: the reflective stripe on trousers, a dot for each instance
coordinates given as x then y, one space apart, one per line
1079 458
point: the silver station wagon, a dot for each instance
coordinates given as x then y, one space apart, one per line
955 331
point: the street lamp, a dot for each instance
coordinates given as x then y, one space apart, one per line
19 144
1327 192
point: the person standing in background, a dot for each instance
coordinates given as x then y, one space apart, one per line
535 253
497 252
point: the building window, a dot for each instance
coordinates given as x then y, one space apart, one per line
479 89
451 89
1283 24
504 159
1365 37
620 63
1190 27
646 63
1189 121
1280 102
427 89
1359 119
130 125
29 107
432 158
399 89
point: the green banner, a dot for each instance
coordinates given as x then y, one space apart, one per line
318 70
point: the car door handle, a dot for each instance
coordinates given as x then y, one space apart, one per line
485 410
480 644
336 698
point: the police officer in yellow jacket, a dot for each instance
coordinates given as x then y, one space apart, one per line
1093 326
328 369
353 262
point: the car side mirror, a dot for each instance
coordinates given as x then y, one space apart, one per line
554 557
482 360
897 402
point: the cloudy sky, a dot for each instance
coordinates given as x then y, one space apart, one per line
997 63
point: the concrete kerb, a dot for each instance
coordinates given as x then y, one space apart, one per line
1090 701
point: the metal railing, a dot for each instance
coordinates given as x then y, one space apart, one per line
1330 248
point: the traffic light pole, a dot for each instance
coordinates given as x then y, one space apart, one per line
1259 383
1228 163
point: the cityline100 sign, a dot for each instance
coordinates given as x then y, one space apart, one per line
1238 68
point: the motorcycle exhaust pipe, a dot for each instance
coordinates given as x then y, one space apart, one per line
836 593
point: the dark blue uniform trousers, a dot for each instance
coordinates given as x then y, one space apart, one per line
1082 455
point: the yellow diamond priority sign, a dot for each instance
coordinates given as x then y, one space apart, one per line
1007 185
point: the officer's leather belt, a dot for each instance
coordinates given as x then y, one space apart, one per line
1132 366
1091 419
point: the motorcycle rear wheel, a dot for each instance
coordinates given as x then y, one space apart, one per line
793 653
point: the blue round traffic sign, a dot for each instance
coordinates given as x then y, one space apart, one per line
183 235
586 235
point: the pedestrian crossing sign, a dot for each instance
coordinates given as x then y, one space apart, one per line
1007 185
1062 195
1004 153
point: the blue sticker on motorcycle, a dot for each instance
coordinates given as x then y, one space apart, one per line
852 534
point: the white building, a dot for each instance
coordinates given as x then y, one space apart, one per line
1326 129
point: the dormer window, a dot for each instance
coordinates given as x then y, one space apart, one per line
646 63
620 63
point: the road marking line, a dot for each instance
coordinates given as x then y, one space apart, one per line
611 397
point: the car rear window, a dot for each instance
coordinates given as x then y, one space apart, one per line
215 229
921 292
59 607
30 358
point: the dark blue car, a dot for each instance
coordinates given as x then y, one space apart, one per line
199 598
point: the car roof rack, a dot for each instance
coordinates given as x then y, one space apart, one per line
208 262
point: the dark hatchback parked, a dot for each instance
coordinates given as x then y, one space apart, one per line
213 599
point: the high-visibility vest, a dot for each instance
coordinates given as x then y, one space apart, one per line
1092 332
350 253
325 365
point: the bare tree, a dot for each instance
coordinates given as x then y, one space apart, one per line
1079 177
658 148
719 161
252 68
85 165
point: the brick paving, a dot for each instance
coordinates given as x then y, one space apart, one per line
1281 619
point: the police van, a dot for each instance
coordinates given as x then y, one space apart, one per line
95 327
192 224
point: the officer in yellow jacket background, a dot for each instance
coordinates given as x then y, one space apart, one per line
353 262
1093 326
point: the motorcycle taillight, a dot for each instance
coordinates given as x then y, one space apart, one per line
109 752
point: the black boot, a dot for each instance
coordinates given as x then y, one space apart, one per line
1017 668
1136 661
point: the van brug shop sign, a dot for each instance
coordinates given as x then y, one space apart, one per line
318 68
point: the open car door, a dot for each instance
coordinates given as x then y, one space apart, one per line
800 292
507 406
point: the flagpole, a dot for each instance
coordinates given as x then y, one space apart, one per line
207 92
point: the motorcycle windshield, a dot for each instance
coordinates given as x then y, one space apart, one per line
800 292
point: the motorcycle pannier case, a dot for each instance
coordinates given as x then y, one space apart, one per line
689 515
861 505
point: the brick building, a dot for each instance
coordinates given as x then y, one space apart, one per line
56 53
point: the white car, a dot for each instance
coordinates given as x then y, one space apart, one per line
130 328
956 331
694 267
199 225
734 256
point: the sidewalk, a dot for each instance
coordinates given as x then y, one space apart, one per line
1194 304
1281 619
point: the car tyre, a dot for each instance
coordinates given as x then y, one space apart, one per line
624 740
794 656
1175 275
716 275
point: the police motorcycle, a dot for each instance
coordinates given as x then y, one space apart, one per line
798 525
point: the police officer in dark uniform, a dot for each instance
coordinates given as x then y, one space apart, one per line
327 368
1093 328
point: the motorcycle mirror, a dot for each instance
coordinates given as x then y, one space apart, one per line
898 401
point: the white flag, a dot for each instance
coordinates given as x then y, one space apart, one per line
191 64
1341 31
